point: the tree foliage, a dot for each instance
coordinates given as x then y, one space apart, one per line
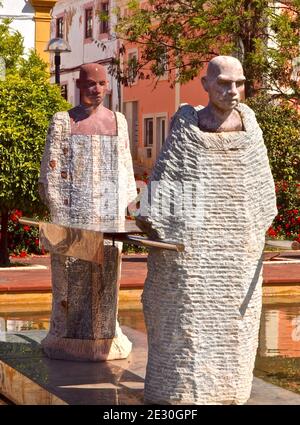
281 129
11 45
263 34
26 106
27 102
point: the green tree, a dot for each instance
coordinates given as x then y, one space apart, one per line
11 45
27 102
186 34
281 129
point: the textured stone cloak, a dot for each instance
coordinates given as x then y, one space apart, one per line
202 306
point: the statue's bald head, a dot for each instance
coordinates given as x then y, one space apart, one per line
227 65
92 71
224 82
92 83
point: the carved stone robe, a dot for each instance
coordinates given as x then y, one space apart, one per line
86 179
202 306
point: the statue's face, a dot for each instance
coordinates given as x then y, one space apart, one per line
92 85
225 84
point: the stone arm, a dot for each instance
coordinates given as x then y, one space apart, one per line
146 227
264 182
42 192
45 163
128 182
50 159
131 184
266 188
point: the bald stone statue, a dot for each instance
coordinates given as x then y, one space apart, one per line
87 177
212 191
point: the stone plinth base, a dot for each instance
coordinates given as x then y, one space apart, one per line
29 377
92 350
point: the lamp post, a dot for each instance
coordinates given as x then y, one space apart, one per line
57 46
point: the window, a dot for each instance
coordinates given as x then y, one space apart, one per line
148 132
104 17
108 101
160 132
88 23
60 27
130 110
162 64
64 91
132 66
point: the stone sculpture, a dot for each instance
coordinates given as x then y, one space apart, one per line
202 306
87 177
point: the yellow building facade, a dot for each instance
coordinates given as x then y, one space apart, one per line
42 20
31 18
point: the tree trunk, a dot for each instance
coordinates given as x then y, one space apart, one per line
251 29
4 256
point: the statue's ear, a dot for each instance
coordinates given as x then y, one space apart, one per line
204 83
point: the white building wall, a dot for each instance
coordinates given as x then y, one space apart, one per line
22 14
83 51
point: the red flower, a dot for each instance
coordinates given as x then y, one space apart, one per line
13 218
23 254
272 233
26 228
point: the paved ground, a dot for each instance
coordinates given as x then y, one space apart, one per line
278 268
134 269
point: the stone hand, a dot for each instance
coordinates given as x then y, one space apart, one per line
146 226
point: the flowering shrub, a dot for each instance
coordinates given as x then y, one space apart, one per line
286 225
22 239
287 222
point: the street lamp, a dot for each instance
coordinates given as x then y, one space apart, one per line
57 46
